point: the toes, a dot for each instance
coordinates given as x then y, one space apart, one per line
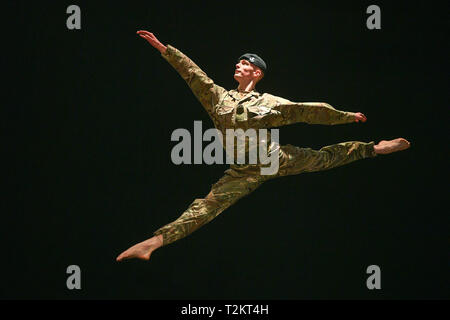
122 256
404 141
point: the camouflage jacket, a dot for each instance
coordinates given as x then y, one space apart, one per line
230 109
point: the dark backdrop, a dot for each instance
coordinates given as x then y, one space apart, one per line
87 125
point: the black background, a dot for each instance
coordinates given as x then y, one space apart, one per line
87 124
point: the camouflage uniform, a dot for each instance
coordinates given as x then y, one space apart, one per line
232 109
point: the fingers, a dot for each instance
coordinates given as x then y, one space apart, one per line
364 118
145 33
148 38
360 117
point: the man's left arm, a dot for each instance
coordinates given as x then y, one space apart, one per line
310 112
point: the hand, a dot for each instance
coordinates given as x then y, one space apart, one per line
360 117
150 37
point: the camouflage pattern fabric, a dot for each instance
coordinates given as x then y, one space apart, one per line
233 110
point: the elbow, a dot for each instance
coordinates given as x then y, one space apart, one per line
327 105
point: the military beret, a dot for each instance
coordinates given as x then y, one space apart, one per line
255 59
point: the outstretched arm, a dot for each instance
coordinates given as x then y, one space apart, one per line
201 85
318 113
310 112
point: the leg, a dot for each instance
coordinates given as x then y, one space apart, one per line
224 193
295 160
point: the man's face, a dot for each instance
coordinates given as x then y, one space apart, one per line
246 71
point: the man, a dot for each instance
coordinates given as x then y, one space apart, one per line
246 108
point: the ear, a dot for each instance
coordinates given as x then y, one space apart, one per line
257 73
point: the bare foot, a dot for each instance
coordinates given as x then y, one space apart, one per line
142 250
386 147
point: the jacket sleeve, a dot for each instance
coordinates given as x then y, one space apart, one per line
201 85
289 112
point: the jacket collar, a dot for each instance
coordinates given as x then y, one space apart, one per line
242 95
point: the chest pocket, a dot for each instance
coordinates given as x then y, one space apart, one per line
222 110
225 106
259 111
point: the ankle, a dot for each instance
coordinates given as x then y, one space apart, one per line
157 241
376 149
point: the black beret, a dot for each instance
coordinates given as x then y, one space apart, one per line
255 59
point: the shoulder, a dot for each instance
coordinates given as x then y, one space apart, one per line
273 99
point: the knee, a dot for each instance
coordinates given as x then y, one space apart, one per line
206 206
210 203
325 155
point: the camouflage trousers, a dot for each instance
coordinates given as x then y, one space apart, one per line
241 180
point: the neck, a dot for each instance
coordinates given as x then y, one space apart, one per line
246 86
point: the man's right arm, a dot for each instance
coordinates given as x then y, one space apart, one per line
201 85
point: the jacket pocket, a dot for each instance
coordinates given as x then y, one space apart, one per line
223 109
260 111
